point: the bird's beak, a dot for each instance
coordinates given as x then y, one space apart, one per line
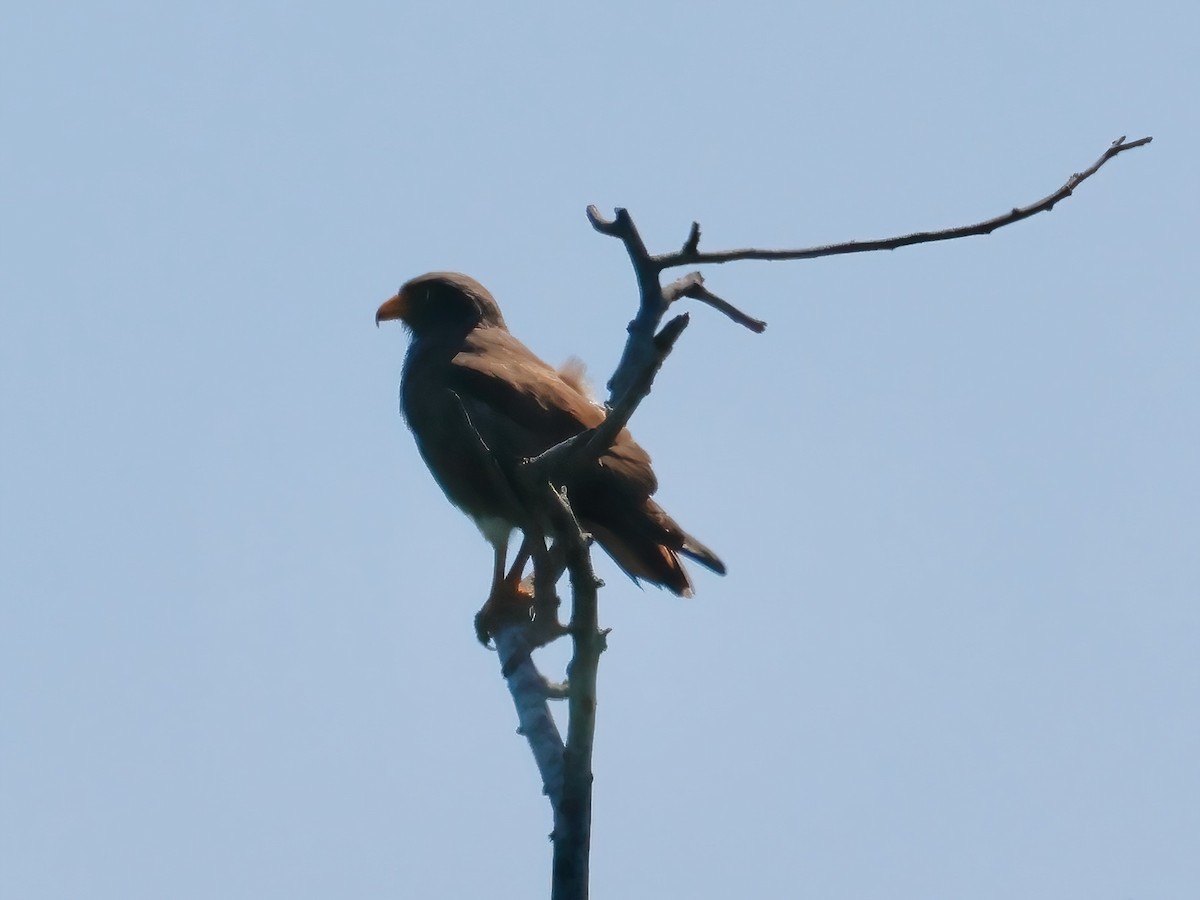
395 308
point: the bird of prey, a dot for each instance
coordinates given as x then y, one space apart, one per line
479 403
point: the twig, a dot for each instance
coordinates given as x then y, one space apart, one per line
692 285
691 255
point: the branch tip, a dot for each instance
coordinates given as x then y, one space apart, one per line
601 224
665 340
690 253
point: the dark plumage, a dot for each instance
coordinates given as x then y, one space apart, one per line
466 379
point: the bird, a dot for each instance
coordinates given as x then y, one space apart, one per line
479 403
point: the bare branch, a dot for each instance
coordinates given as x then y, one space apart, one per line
559 462
692 285
692 244
680 286
655 299
573 814
651 306
566 771
621 226
618 417
691 255
530 690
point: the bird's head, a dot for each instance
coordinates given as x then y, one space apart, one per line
442 303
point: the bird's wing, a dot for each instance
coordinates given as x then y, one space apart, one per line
521 407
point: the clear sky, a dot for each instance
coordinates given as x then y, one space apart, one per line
957 653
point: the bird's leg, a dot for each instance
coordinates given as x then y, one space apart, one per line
513 599
508 602
547 569
516 571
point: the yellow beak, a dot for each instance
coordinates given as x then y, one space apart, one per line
394 308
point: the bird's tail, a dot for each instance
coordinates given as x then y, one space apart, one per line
693 549
647 546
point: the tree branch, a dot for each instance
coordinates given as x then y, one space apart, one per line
652 305
562 460
515 643
573 811
655 299
691 255
692 285
530 690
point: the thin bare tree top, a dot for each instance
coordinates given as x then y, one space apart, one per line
655 299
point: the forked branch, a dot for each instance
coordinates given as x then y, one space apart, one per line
649 267
567 769
573 811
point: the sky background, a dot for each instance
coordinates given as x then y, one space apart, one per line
957 653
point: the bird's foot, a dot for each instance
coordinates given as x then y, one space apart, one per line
508 604
512 603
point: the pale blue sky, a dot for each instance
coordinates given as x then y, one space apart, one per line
956 486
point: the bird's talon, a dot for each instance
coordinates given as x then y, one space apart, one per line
481 631
508 605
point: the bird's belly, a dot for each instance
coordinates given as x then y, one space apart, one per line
494 529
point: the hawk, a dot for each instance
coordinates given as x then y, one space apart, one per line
479 403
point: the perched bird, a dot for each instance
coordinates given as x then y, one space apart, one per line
479 402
